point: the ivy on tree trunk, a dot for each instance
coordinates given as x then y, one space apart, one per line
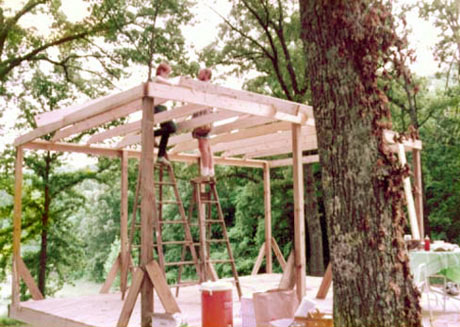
345 43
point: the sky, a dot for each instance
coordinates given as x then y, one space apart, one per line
422 38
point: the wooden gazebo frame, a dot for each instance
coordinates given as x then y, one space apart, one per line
249 129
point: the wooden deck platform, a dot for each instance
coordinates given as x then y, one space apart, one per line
102 310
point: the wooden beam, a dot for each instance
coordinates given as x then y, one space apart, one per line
325 283
299 219
116 113
250 132
111 276
285 106
278 254
39 318
29 280
409 198
148 207
124 223
284 148
268 220
260 258
82 114
17 225
161 285
136 126
288 279
288 161
128 305
409 144
418 189
178 93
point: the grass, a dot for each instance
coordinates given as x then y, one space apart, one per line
5 321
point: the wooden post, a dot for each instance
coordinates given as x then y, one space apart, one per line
299 221
417 167
325 283
148 210
17 225
268 220
124 223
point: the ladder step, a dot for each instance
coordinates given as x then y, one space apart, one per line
165 183
169 202
174 242
209 201
219 261
216 241
179 263
172 221
214 221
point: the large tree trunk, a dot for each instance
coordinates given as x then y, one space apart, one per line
362 181
316 260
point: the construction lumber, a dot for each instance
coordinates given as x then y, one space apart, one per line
299 219
418 189
409 144
128 305
17 224
288 279
325 283
39 318
268 219
124 251
178 93
82 114
111 276
148 207
278 254
409 198
159 282
280 104
260 258
288 161
29 280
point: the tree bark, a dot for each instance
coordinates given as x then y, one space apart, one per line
316 259
345 42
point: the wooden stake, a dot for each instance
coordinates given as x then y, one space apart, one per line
417 167
124 224
259 259
148 208
325 283
29 280
161 285
17 224
128 306
288 280
268 219
278 254
111 276
299 220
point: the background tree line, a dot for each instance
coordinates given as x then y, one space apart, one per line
71 217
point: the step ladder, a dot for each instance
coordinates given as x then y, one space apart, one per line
204 198
164 182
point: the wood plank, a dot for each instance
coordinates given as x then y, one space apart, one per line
260 258
82 114
288 279
116 113
40 318
148 207
29 280
418 189
288 107
129 140
278 254
268 220
409 198
111 276
17 220
250 132
125 129
124 251
409 144
128 305
281 149
178 93
299 218
325 283
288 161
161 285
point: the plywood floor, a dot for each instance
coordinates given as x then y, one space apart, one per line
102 310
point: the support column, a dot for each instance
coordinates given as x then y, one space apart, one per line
299 219
418 192
148 210
268 219
17 225
124 222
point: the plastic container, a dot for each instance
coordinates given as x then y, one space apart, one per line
427 243
216 304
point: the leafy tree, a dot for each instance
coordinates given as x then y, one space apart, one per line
345 43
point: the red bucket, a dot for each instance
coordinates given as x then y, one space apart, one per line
216 304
